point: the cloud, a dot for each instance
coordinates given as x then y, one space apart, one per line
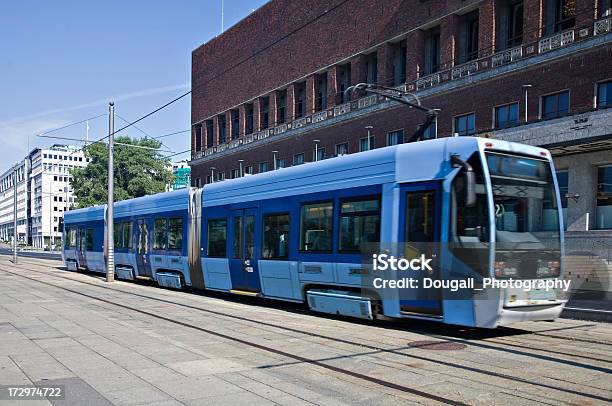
99 102
14 138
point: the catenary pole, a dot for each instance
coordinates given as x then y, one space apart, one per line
110 249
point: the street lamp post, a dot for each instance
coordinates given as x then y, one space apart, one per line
526 88
241 170
274 165
369 128
212 174
15 215
316 157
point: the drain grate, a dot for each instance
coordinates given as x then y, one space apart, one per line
437 345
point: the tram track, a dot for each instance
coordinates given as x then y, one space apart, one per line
335 339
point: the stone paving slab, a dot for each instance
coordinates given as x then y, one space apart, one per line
107 354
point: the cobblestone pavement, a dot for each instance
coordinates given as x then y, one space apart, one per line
128 344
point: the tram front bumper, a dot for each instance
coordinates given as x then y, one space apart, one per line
530 312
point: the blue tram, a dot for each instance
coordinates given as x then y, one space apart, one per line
490 208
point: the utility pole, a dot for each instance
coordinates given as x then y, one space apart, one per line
15 215
110 249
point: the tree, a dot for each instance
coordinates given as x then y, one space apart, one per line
138 172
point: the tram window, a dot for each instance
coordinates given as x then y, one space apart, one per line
67 235
276 236
73 237
159 234
89 236
127 235
420 217
118 235
175 234
316 227
217 238
359 224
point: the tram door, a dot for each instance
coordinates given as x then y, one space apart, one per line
142 249
244 251
420 233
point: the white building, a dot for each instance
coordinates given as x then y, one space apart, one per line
43 195
50 194
7 203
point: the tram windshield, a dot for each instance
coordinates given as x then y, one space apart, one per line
526 211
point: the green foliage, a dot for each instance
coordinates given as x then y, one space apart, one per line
138 172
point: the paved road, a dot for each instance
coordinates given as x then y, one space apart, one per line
130 344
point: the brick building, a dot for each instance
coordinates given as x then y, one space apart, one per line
269 92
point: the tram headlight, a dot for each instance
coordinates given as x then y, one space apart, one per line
548 268
503 270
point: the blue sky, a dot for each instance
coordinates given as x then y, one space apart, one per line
63 61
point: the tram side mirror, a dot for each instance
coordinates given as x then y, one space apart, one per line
470 179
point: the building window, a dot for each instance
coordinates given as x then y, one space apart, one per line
235 123
560 15
280 163
300 99
198 182
263 167
399 63
220 176
432 51
248 169
235 173
605 8
342 149
604 95
321 101
210 134
265 112
466 124
604 197
515 24
562 181
275 236
198 137
359 224
469 45
281 106
366 144
506 116
555 105
371 68
248 109
395 137
344 77
316 227
217 238
318 154
298 159
222 129
431 132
